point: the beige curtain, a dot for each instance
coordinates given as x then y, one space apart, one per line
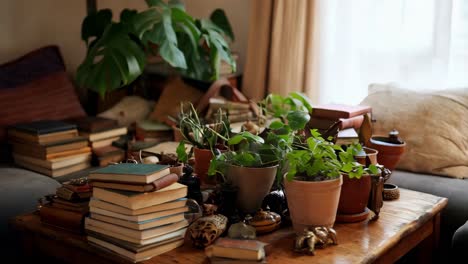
281 47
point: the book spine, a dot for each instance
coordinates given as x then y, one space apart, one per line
165 181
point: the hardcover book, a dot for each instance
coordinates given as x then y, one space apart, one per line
138 256
143 225
94 124
130 172
102 227
139 218
236 249
335 111
44 127
150 187
134 200
145 210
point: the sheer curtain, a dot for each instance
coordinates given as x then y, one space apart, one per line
420 44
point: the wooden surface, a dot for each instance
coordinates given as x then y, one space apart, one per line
404 224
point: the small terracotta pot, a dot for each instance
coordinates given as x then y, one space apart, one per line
354 194
369 158
177 169
389 153
202 163
253 183
312 204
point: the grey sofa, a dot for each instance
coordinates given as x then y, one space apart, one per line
454 226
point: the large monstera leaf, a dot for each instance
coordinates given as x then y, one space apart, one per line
117 50
114 60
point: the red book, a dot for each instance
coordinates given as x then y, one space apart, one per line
335 111
151 187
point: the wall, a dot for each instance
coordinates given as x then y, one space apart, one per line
30 24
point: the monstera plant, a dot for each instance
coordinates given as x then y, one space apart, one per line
117 51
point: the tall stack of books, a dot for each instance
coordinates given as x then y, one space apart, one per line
152 131
235 111
68 208
101 133
137 210
49 147
346 120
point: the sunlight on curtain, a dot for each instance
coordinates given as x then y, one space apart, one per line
420 44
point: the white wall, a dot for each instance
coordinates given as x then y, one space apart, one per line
29 24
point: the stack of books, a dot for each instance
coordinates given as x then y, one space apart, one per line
49 147
137 210
69 207
344 120
152 131
101 133
235 111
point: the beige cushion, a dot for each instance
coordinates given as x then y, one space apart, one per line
433 124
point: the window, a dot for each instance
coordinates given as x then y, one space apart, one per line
420 44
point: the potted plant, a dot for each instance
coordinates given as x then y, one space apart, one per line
313 182
356 188
118 51
205 139
250 164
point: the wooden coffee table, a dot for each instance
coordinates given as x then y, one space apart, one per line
411 222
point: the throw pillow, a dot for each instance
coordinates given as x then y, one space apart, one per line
50 97
129 110
174 92
433 124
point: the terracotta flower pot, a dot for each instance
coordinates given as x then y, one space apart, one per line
202 163
313 203
389 153
354 194
177 169
253 183
367 157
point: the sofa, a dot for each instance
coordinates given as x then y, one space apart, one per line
33 87
434 125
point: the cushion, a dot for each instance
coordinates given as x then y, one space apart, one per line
434 125
129 110
34 65
50 97
175 92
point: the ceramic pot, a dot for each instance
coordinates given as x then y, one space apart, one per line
202 163
389 153
313 204
253 183
354 194
177 169
367 157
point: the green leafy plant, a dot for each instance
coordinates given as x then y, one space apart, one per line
320 159
245 150
200 134
117 51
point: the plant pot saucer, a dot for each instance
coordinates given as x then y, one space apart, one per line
353 218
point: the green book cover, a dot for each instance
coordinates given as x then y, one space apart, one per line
149 125
131 168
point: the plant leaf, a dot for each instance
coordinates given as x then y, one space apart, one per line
297 119
219 18
177 4
95 23
170 53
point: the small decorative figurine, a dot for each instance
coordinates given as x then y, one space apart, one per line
193 184
205 230
318 237
276 201
241 230
264 221
209 209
